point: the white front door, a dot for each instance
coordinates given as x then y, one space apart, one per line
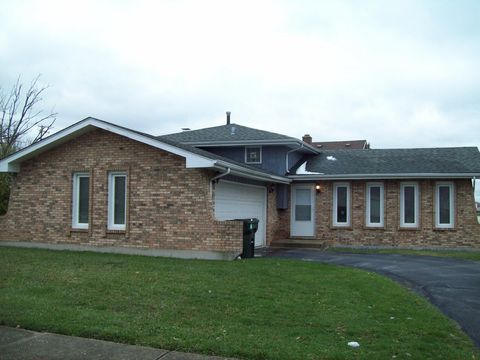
240 201
303 210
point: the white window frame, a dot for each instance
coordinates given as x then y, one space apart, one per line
416 193
76 200
111 201
382 204
334 210
246 152
451 224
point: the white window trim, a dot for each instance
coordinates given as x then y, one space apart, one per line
382 205
111 200
253 147
452 205
334 217
75 200
416 204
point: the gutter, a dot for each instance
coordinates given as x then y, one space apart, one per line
384 176
212 180
252 142
251 174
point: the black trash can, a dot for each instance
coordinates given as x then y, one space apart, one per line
250 227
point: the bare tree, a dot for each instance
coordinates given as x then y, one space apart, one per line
21 122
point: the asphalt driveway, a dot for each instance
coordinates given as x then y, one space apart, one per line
452 285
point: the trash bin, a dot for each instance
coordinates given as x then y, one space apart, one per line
250 227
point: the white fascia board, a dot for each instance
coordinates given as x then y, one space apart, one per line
198 162
385 176
11 163
252 174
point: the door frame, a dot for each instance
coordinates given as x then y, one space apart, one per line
310 187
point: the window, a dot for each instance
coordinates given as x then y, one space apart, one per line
117 200
253 155
80 200
444 205
409 205
341 204
375 206
303 205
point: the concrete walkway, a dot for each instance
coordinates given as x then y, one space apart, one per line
453 285
19 344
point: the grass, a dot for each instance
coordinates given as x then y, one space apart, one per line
252 309
466 255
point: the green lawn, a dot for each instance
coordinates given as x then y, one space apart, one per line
252 309
467 255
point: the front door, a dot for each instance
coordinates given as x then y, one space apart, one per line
302 210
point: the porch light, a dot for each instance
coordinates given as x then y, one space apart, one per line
318 188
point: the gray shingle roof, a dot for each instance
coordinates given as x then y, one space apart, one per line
225 133
454 160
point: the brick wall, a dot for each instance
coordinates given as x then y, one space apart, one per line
169 206
278 220
465 234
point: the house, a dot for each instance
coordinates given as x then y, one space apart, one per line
337 145
99 184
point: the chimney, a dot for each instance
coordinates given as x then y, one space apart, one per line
228 117
307 138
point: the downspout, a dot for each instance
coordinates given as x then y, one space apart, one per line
216 178
286 158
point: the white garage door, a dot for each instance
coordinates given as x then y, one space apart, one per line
239 201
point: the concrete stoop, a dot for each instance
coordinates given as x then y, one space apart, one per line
299 243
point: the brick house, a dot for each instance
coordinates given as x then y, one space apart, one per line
99 184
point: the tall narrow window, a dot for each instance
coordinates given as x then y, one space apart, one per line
444 205
375 206
117 200
341 204
80 200
409 205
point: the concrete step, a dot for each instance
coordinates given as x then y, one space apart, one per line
299 243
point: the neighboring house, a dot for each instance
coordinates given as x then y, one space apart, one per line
96 183
337 145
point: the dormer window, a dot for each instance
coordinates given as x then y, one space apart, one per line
253 155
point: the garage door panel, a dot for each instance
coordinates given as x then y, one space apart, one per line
236 201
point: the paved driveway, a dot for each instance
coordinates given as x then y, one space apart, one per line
452 285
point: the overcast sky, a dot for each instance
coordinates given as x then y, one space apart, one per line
397 73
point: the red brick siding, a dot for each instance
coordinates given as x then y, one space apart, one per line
169 206
277 219
465 234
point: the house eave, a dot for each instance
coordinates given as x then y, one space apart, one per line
251 174
306 146
313 177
